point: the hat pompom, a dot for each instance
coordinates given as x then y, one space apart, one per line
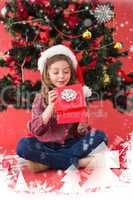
87 91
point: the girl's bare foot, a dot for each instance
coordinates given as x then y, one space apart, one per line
85 162
36 167
93 161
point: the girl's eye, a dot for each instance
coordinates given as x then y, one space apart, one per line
65 72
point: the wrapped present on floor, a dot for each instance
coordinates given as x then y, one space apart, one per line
70 105
125 148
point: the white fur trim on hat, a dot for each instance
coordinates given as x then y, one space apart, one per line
56 50
87 91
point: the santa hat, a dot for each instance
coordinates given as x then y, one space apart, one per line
61 49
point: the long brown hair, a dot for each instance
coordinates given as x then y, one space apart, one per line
46 84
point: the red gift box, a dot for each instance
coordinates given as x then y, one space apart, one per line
70 105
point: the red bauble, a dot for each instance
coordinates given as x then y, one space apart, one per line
44 36
92 64
22 12
79 55
12 70
44 2
27 58
73 21
8 58
72 7
19 43
66 43
16 79
66 13
69 11
50 11
81 1
45 28
95 44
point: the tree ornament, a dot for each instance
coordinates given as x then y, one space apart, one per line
103 13
87 7
8 58
66 43
50 11
106 79
65 24
87 35
22 12
79 55
105 68
58 10
4 12
12 70
44 36
43 2
118 45
94 3
32 1
87 22
66 13
73 21
71 7
92 64
28 58
16 79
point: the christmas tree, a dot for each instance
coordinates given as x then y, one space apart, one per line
85 26
21 184
71 181
101 178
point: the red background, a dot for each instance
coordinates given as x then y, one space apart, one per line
13 122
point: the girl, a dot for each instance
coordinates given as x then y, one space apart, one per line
52 145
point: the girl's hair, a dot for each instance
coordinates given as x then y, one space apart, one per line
46 84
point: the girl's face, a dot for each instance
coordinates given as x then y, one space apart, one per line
59 73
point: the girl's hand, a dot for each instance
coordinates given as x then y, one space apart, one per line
82 128
52 96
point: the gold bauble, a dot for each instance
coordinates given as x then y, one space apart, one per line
106 79
87 35
118 45
105 67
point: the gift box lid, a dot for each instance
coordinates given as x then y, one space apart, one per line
70 97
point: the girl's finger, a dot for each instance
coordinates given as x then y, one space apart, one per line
52 92
53 98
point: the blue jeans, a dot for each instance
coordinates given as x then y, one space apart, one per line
60 156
